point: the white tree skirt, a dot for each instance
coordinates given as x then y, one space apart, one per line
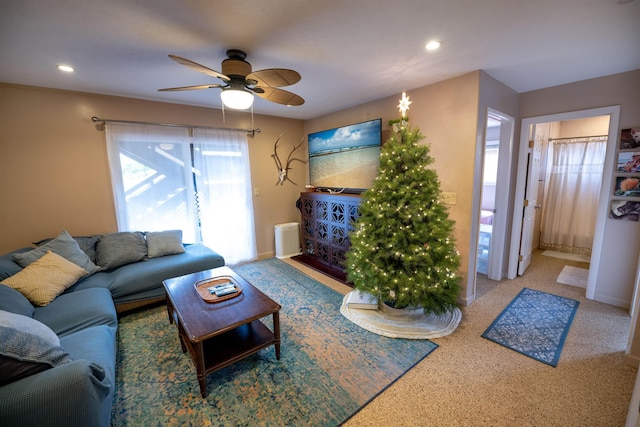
405 323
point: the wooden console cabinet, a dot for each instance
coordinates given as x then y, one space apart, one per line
327 220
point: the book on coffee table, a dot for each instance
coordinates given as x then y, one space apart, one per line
362 300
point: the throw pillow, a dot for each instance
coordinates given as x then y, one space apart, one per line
65 246
46 278
161 243
86 243
118 249
27 347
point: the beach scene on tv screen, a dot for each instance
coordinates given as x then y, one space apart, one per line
346 157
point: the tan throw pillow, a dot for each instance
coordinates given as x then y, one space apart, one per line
46 278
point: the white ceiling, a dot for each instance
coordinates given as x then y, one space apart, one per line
347 51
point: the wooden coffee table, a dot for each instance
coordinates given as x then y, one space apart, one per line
217 334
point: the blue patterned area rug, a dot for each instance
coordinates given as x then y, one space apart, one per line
535 324
329 367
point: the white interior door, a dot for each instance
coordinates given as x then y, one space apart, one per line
530 200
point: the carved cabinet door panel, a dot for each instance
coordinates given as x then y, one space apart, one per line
327 220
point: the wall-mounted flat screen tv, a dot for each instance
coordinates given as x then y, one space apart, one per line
346 158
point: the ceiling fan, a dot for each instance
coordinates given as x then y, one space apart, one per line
240 82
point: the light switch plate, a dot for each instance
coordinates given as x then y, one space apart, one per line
448 198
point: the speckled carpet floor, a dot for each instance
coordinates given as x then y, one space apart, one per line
470 381
329 367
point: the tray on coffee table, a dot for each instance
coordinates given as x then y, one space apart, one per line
203 288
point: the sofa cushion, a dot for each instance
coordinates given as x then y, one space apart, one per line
27 347
96 344
46 278
117 249
13 301
76 394
79 310
65 246
143 280
161 243
8 267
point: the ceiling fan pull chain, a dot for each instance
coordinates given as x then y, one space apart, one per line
223 117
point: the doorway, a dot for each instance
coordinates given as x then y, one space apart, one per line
492 205
488 201
524 212
564 192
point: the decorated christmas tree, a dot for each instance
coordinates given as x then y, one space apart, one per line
402 247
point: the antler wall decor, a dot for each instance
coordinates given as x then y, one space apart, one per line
283 170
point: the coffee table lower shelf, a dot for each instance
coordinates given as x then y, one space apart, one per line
227 348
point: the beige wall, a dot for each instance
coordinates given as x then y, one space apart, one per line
54 171
54 174
446 114
593 126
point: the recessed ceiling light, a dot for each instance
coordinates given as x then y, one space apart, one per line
433 45
66 68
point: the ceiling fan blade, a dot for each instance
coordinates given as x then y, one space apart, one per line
171 89
201 68
274 77
279 96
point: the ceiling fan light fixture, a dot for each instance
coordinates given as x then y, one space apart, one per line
236 99
65 68
433 45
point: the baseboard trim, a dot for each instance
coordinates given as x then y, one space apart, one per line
612 301
465 301
265 255
632 360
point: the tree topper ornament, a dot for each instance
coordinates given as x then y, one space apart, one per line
403 106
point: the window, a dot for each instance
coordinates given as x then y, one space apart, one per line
164 178
490 169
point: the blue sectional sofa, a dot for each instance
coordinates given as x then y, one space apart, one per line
76 393
65 373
